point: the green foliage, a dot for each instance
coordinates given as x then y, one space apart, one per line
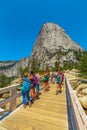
5 81
56 66
23 70
71 65
47 68
34 65
41 71
68 65
78 54
65 66
82 65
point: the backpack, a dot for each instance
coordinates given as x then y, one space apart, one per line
58 79
45 78
26 84
62 76
35 80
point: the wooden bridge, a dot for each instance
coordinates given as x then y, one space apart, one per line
50 112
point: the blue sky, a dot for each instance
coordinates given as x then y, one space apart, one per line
21 21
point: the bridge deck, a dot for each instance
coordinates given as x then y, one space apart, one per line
47 113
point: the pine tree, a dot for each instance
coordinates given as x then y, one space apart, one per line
82 65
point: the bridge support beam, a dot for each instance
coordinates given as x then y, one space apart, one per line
13 102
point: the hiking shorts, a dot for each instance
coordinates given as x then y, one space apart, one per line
37 87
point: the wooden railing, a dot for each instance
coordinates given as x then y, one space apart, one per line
77 114
12 98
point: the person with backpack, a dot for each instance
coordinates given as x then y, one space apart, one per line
37 85
58 82
62 78
45 81
26 85
32 79
35 88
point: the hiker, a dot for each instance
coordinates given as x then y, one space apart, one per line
54 78
38 85
62 78
58 82
45 81
33 93
50 78
26 85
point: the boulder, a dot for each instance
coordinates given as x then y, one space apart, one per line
81 87
80 95
84 91
6 95
83 101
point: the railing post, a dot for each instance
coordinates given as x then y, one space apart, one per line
13 102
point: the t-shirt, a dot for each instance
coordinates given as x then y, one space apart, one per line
58 79
26 85
45 78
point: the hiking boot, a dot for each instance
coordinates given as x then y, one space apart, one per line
32 101
60 91
37 97
56 92
24 105
29 104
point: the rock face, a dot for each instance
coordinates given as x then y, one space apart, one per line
51 40
10 68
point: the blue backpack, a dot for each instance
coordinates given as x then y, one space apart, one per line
35 80
45 78
26 84
58 79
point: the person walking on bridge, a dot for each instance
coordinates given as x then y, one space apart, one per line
58 82
26 85
45 81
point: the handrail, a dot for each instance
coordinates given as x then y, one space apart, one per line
13 96
6 89
79 114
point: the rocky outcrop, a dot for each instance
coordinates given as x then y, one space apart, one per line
83 101
82 94
11 68
54 44
84 91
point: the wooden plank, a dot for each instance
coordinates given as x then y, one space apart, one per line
45 112
40 117
3 103
56 97
13 102
3 128
12 125
6 89
25 123
53 101
54 106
